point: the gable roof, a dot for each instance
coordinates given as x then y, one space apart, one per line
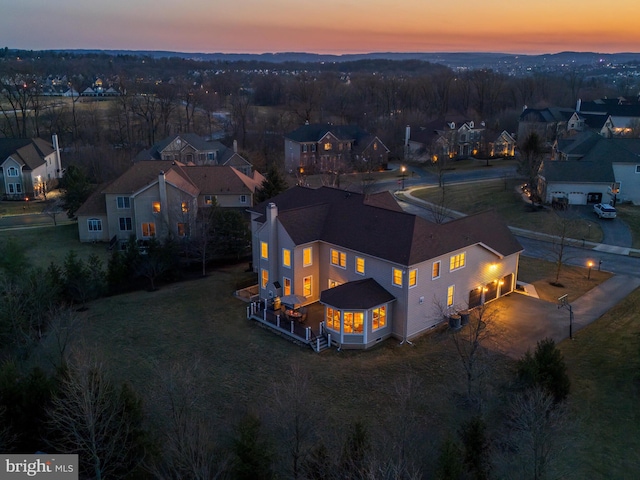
29 152
197 143
314 132
352 221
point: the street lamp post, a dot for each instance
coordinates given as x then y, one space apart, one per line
589 264
404 169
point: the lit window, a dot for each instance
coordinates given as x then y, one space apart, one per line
208 199
264 250
94 224
413 278
149 229
456 261
265 278
333 319
353 322
435 271
360 265
185 207
379 317
450 296
125 224
375 145
155 207
327 146
286 257
397 277
306 256
124 202
287 286
306 287
183 229
338 258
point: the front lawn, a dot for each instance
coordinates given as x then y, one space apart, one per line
504 196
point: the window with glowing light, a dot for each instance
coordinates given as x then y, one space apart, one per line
264 250
379 318
286 289
397 277
353 322
360 265
264 276
155 207
457 261
185 207
286 257
450 292
183 229
307 258
413 278
338 258
306 286
435 271
327 146
148 229
333 319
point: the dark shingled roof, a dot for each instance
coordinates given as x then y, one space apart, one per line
353 221
28 151
198 143
360 294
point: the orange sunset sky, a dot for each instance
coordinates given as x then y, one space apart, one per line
330 26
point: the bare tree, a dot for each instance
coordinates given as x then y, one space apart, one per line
536 439
294 414
473 354
63 323
529 163
187 435
91 417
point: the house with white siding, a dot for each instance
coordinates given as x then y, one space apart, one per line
377 271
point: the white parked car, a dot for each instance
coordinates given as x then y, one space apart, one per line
604 211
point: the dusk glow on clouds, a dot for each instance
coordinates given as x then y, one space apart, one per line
331 26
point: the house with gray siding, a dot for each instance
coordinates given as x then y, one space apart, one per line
378 271
161 198
29 167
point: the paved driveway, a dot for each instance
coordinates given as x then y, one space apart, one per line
521 321
615 231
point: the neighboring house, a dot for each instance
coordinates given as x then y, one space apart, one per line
161 198
549 123
189 148
504 145
593 169
378 271
326 148
449 139
29 167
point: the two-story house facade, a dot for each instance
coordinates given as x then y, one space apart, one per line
161 198
189 148
29 166
378 271
327 148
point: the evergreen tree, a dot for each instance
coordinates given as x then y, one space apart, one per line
77 189
546 369
253 453
274 183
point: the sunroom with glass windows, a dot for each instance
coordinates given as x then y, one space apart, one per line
357 314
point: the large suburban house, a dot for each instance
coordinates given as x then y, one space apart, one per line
327 148
378 271
189 148
161 198
590 168
30 166
450 139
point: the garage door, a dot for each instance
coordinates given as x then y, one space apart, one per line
577 198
